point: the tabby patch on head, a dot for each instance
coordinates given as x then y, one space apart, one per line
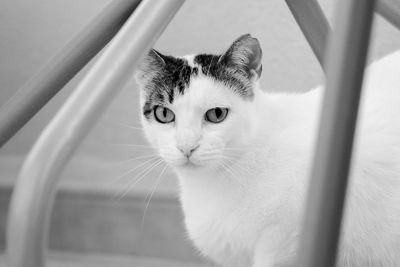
164 77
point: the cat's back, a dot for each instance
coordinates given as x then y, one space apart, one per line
373 208
378 125
378 132
382 88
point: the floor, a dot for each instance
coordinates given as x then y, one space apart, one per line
94 220
57 259
106 229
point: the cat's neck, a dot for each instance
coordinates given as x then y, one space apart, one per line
206 183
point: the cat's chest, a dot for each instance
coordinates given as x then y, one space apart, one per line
227 239
225 222
222 228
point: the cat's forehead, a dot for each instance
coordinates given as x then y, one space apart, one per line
204 92
176 77
211 67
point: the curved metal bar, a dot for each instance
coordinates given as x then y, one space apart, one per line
63 67
35 190
390 10
327 188
313 23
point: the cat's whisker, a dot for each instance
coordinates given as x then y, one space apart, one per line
233 175
152 164
209 154
211 157
167 153
229 161
137 158
135 128
234 159
158 180
230 158
218 152
233 150
232 162
215 152
129 126
139 178
228 169
133 169
207 157
233 154
133 145
234 167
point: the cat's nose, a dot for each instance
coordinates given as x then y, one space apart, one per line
187 150
187 140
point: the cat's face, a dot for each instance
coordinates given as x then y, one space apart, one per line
198 111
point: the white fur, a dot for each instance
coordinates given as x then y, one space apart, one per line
246 210
190 60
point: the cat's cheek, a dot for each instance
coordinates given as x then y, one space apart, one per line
151 137
172 161
172 156
160 136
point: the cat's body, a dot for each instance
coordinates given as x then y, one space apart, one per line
244 181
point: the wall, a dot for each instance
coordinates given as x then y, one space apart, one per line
31 32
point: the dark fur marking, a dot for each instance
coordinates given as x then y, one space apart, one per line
170 96
174 75
147 110
195 71
213 66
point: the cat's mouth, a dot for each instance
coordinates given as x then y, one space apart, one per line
189 163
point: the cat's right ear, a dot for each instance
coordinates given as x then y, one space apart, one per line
151 65
244 54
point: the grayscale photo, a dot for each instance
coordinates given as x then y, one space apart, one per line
177 133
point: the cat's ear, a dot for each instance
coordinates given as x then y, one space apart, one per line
151 65
245 54
155 57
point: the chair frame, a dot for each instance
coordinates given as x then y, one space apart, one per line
341 53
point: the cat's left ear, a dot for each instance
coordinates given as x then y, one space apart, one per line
245 54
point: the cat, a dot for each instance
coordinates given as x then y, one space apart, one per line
243 156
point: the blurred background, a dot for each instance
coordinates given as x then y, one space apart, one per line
95 212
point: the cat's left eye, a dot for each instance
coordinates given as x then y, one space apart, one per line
163 114
216 115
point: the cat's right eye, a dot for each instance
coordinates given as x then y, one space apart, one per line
163 114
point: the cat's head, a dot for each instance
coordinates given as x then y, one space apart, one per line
198 111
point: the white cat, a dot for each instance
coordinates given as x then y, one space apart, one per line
243 157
